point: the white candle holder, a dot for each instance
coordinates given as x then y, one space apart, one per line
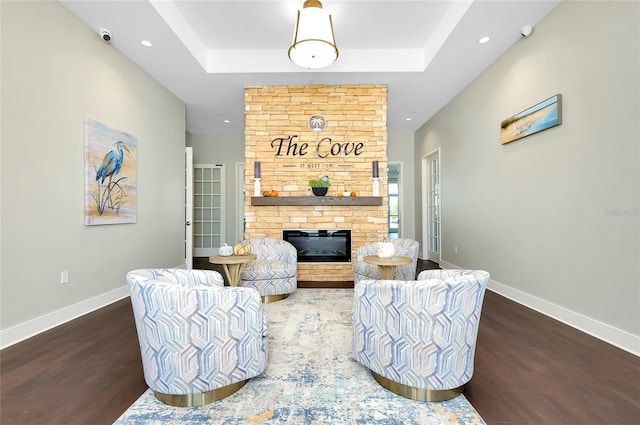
256 188
376 187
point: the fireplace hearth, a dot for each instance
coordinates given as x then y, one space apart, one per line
319 245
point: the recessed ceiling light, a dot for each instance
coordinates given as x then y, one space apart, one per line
408 119
483 40
146 43
227 121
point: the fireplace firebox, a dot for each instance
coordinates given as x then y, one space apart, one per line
320 246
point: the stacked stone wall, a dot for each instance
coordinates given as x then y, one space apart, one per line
277 134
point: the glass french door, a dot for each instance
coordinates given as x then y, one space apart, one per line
431 224
393 194
208 209
188 208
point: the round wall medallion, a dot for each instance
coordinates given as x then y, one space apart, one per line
317 123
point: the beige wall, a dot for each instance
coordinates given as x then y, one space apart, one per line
356 121
55 72
554 216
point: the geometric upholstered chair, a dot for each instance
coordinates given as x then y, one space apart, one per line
274 274
200 341
405 247
418 337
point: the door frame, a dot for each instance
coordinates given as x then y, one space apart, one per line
400 167
188 208
240 200
207 251
425 204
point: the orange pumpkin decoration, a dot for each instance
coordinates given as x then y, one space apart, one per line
242 249
274 193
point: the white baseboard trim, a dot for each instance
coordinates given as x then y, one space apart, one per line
607 333
40 324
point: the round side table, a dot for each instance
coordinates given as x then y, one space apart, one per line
387 266
232 265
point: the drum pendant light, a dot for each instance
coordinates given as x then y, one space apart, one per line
314 44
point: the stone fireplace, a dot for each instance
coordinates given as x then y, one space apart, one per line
280 135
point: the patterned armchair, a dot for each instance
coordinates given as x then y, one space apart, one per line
200 341
406 247
275 272
418 337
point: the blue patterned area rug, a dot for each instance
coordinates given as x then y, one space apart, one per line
311 378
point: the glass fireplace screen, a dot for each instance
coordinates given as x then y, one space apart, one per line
320 246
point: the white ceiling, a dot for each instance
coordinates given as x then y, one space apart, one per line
206 52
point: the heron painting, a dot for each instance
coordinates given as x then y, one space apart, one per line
110 175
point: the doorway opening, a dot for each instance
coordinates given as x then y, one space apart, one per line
208 208
393 195
431 205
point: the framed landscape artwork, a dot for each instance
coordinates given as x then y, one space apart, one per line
110 195
541 116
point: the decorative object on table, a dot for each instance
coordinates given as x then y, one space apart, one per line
256 176
110 175
384 249
242 248
320 186
226 250
542 116
376 175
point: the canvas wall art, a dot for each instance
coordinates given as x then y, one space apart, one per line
541 116
110 175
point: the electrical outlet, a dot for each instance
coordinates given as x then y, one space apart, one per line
455 249
64 277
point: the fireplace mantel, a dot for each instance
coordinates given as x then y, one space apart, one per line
316 200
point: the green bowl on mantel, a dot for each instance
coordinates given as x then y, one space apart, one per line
319 191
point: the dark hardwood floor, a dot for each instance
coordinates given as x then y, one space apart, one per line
530 370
